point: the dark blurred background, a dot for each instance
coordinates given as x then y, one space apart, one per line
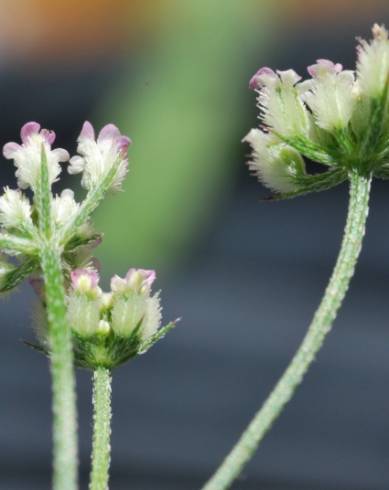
245 275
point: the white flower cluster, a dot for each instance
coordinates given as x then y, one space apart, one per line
127 307
96 159
325 108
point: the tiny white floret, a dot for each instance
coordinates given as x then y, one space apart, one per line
64 207
373 63
15 210
274 163
97 156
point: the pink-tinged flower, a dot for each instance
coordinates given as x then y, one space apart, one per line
133 305
323 68
27 156
373 63
279 100
330 94
136 280
85 280
261 77
97 156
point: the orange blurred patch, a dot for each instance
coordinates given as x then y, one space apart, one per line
76 28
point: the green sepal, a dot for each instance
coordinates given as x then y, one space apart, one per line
313 183
374 138
382 172
37 347
309 149
79 248
16 275
160 334
105 350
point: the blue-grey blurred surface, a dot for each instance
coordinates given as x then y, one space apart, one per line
246 290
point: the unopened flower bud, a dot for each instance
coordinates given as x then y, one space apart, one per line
373 63
128 313
83 314
64 207
276 164
103 327
85 281
132 304
136 280
15 210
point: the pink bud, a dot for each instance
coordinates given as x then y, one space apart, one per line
9 150
145 276
84 279
261 76
109 132
48 135
87 131
28 130
323 67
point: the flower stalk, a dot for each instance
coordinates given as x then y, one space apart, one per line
62 374
320 326
59 338
102 414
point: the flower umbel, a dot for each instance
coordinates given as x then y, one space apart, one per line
337 118
109 328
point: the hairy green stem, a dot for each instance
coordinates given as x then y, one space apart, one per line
321 325
59 336
62 373
102 413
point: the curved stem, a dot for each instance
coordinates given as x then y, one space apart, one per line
102 414
321 325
